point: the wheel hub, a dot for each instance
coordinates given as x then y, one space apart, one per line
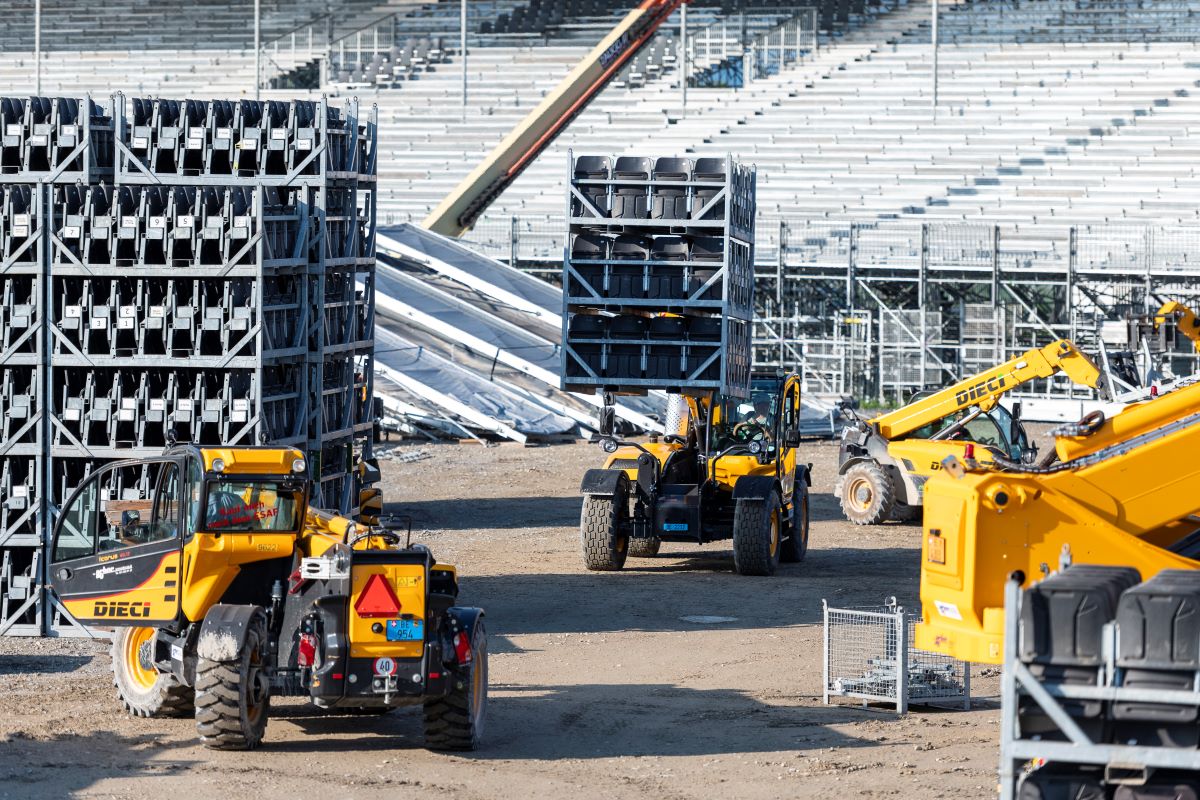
861 494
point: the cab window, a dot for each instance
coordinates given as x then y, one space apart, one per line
983 430
747 420
119 507
243 506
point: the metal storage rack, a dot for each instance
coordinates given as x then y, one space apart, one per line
658 274
1073 743
868 656
205 274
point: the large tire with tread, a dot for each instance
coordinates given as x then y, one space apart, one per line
757 535
142 689
866 494
603 530
455 722
795 547
644 547
233 698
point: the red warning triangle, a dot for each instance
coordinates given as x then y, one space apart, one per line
377 599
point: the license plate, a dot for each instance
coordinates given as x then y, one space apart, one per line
675 526
405 630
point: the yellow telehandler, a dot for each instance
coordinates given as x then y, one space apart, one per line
727 469
884 463
1122 493
226 588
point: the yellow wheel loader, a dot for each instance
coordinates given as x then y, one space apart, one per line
226 589
884 463
1122 493
727 470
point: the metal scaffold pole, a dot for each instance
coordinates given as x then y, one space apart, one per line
257 48
683 56
934 42
462 47
37 47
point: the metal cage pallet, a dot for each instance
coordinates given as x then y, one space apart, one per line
658 274
196 271
868 656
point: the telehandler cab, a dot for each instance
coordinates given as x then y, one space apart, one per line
726 470
226 588
883 463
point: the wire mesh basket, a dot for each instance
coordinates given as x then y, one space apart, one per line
869 656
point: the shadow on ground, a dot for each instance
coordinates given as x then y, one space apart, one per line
602 720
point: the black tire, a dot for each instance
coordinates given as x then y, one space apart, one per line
866 494
233 698
757 534
906 513
795 547
141 688
644 547
456 721
603 531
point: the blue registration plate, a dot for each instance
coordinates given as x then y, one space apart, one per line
675 526
405 630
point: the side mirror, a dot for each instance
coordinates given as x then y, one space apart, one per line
791 438
130 519
1016 429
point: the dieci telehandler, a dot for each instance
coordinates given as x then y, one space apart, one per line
884 462
726 470
1122 493
226 588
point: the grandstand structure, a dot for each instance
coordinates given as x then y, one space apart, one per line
1050 193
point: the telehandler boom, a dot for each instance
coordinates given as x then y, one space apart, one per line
1185 319
885 462
1122 494
226 588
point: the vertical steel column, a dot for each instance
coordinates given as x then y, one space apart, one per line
922 280
37 46
462 47
257 47
684 71
934 42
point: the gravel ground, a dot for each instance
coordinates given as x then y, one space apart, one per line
599 687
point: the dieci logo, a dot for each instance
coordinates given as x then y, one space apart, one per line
121 608
979 390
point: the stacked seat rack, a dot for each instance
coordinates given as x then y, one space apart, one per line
177 271
658 275
1101 685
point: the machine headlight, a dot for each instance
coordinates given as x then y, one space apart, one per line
755 448
218 465
298 465
609 445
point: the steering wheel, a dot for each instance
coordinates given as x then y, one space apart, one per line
389 536
748 432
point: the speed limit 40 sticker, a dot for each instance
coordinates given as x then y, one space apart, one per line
386 666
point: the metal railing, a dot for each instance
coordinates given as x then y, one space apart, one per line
306 42
766 38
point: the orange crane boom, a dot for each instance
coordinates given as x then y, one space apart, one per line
459 210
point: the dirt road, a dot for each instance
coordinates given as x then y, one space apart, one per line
599 688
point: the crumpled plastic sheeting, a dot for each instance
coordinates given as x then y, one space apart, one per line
453 381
